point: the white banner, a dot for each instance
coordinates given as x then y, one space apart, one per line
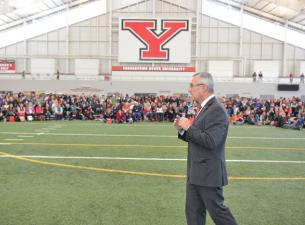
155 68
155 40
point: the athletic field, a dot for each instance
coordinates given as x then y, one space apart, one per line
89 173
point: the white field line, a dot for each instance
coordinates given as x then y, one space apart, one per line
24 136
145 135
143 159
14 139
145 124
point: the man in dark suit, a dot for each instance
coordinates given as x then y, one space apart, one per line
206 167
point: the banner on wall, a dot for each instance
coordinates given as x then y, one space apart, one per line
155 40
7 66
155 68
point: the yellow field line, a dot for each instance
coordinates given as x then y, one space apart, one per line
148 146
89 167
139 173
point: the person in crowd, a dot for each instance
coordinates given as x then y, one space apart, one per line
171 113
21 113
137 111
57 75
302 78
39 112
290 78
159 112
11 113
120 116
260 75
129 118
29 111
254 75
238 119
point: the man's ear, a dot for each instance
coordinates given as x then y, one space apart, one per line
205 88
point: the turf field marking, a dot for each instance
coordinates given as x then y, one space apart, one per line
268 138
148 146
141 124
264 148
13 139
283 185
139 173
90 168
144 159
98 145
25 136
146 135
94 157
264 161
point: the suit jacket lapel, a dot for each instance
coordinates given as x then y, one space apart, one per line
210 102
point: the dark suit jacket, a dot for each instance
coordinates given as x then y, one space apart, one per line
206 139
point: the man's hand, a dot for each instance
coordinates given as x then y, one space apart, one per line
184 123
176 123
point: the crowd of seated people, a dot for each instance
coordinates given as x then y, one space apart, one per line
117 108
283 112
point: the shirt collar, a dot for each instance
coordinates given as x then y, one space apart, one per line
206 100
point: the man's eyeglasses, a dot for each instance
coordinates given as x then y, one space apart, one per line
195 85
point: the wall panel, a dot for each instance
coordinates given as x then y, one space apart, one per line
42 48
223 50
213 35
290 68
20 49
277 51
233 50
267 51
53 36
234 35
52 48
223 35
289 52
299 53
11 50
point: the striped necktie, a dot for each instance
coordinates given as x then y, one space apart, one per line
197 111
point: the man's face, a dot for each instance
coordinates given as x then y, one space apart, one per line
196 89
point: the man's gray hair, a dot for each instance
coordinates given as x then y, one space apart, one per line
206 78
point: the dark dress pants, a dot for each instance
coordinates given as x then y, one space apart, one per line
200 199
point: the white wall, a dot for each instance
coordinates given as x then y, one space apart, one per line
268 68
302 67
88 67
221 68
131 87
42 66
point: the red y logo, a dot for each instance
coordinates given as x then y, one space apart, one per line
144 30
